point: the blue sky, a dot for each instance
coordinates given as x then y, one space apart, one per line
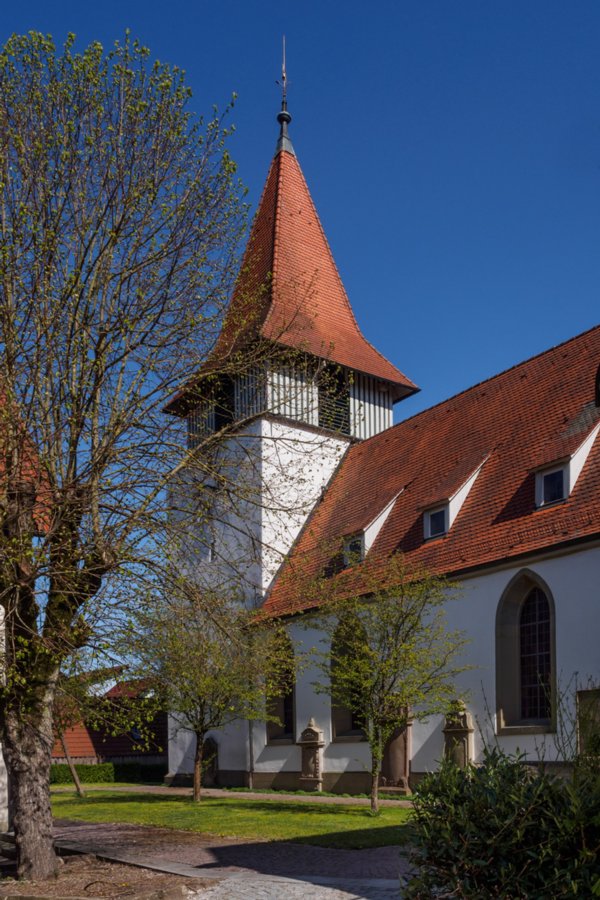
452 150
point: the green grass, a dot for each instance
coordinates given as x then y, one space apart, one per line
324 825
383 795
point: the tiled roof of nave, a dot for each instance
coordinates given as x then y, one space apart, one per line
532 414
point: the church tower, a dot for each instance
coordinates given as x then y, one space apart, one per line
290 383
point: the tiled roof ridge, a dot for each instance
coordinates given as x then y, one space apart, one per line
278 160
485 381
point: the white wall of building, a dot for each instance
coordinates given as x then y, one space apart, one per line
573 579
262 487
296 464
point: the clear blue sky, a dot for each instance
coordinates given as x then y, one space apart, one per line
452 150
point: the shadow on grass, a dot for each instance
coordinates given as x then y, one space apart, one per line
289 807
323 826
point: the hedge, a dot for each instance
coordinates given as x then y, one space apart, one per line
95 773
88 774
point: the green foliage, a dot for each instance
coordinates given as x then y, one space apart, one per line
391 659
505 829
120 216
208 662
99 773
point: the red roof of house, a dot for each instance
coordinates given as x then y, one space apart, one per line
530 415
289 290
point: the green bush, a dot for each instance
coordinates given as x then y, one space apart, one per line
88 773
138 772
505 829
95 773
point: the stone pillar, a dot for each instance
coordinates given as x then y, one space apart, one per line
458 731
311 741
395 763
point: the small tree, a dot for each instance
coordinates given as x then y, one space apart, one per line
80 699
390 658
211 660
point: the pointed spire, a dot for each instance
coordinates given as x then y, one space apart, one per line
283 117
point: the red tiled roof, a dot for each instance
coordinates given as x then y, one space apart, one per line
289 290
129 689
534 411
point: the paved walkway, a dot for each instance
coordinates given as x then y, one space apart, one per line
227 869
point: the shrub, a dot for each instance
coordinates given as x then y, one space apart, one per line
504 829
138 772
88 773
95 773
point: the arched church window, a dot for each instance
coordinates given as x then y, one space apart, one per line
282 700
534 633
525 656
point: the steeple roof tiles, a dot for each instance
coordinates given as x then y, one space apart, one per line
514 417
290 291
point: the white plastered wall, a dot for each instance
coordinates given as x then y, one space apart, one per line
281 470
573 579
574 582
296 464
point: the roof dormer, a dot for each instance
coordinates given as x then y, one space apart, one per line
555 481
438 517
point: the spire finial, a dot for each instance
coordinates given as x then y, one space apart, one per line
283 117
283 80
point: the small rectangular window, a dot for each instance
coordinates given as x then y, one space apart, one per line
435 522
353 550
553 488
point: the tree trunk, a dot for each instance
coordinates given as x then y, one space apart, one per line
71 765
198 767
27 752
376 759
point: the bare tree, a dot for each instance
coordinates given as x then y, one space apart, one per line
119 217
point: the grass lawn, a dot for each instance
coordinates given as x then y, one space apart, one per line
325 825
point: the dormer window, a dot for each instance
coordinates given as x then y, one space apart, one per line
436 522
552 485
351 553
555 479
353 550
442 507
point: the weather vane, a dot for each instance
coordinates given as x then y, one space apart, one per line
283 83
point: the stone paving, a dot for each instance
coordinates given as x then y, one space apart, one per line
228 869
273 889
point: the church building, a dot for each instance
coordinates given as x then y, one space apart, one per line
497 488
